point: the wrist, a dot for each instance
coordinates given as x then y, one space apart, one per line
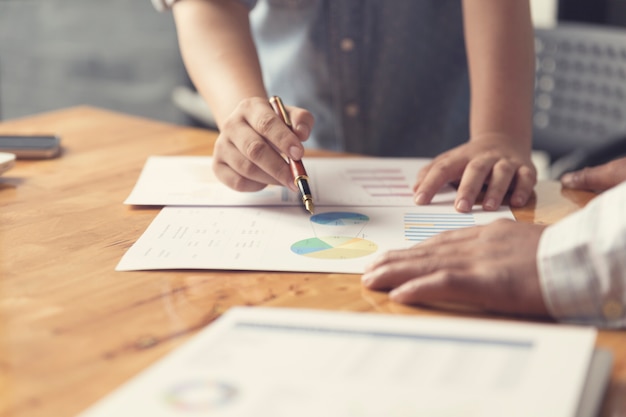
522 142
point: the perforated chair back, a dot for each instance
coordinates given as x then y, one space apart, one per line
580 88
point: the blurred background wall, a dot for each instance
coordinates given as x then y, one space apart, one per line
123 55
116 54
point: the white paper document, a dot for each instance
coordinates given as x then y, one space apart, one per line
189 181
335 239
266 362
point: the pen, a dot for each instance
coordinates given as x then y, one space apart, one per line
300 177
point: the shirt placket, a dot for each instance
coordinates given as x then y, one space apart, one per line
346 41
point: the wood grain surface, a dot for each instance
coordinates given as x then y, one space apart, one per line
72 329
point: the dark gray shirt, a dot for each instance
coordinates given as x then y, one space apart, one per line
381 77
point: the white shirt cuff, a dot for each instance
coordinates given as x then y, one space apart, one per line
582 263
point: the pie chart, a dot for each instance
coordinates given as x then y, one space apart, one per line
339 218
334 247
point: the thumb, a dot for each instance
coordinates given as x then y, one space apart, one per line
302 121
598 178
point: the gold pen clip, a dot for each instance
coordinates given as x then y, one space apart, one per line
277 103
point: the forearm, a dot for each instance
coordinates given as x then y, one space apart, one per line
500 47
219 53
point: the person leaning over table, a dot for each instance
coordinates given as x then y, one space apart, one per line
384 78
573 270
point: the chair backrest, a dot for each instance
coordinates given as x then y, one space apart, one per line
580 88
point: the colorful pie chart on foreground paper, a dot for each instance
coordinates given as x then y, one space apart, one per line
340 240
334 247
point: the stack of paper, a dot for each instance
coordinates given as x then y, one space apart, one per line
279 362
364 207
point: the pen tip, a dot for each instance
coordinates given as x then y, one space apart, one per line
308 204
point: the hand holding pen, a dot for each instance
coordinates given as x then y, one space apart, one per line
300 177
252 144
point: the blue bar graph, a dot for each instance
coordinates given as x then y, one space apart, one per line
420 226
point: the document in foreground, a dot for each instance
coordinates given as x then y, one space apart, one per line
336 239
189 181
279 362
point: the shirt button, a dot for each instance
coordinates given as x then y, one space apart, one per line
352 110
346 44
612 310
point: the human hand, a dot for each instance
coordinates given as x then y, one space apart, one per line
490 160
492 267
247 156
598 178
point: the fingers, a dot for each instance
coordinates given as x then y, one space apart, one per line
525 182
252 169
240 182
427 278
464 284
394 268
404 266
444 286
475 176
592 179
473 288
249 151
476 167
441 171
302 121
492 267
598 178
270 129
503 174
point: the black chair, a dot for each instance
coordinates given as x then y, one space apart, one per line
580 95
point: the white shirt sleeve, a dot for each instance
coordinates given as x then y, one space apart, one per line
582 263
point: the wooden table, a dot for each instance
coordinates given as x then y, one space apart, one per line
72 329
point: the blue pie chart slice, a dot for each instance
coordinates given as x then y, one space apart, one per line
339 218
